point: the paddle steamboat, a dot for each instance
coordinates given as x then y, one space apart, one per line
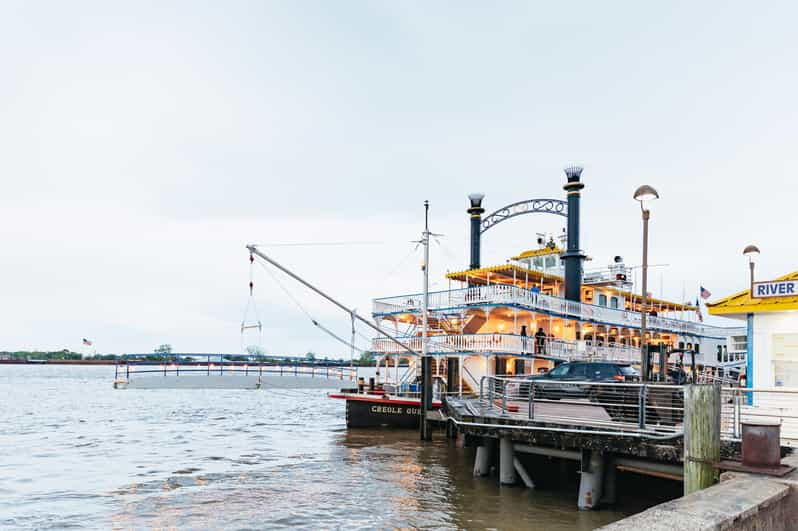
538 309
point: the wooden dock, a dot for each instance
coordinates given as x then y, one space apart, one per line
576 430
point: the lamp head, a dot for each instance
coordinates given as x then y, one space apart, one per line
751 251
476 200
476 209
645 193
573 173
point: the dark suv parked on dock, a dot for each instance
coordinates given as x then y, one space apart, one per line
553 385
572 381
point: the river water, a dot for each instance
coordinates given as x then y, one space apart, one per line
75 453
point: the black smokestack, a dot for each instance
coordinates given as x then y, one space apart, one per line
475 211
573 256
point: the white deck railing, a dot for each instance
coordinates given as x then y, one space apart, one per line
515 296
508 344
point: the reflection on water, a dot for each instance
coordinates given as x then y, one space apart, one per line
77 453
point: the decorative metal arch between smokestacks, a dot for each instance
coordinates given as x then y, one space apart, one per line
530 206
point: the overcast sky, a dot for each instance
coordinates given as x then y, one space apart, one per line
145 143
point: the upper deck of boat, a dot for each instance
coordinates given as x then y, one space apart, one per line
530 300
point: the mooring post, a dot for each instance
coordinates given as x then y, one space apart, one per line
506 458
701 436
591 480
484 457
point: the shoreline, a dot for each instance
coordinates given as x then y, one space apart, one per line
58 362
113 362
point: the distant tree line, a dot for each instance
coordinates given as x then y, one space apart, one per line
65 354
254 354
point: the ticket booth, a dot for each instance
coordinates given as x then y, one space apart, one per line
769 310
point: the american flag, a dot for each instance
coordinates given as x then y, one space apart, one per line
87 342
705 294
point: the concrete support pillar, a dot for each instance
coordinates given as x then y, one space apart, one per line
591 481
506 458
525 477
484 457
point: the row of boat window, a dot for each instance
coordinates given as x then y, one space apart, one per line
724 356
550 262
602 301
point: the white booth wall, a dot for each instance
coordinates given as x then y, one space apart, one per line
775 349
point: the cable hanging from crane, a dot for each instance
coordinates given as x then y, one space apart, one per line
313 320
255 323
253 249
351 344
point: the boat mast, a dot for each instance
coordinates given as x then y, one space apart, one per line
425 268
426 362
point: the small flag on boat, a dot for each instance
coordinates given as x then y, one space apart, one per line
87 342
705 294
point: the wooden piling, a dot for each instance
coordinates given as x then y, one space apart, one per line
701 436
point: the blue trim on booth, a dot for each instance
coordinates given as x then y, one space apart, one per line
749 354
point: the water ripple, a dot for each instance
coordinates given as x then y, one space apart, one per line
80 454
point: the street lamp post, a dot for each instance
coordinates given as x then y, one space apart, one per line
642 194
751 251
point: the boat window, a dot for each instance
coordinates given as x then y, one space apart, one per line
720 353
538 262
602 300
551 261
613 302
